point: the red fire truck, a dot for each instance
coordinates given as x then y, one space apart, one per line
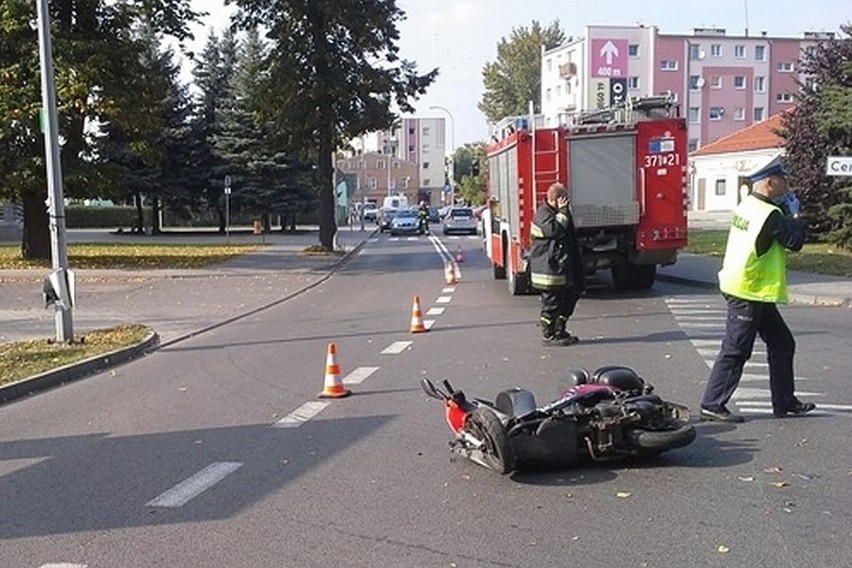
625 169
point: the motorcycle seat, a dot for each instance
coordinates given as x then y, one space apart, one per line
623 378
515 402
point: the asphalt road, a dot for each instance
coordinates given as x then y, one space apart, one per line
215 451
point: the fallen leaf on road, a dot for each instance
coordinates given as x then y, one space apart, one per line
723 549
623 494
749 478
773 469
780 484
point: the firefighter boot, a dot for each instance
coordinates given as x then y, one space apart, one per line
562 334
549 336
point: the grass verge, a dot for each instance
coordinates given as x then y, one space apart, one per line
816 258
23 359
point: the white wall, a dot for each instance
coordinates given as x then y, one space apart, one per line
731 168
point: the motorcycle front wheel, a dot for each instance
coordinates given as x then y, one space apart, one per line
497 451
677 435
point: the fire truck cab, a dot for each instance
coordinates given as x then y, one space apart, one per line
625 170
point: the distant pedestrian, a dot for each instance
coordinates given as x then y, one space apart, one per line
753 280
556 269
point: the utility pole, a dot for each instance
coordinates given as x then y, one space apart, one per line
53 163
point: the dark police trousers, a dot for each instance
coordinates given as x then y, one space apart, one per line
557 304
746 320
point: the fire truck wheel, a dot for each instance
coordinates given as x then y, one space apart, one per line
624 276
645 276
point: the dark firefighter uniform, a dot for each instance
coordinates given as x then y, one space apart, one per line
753 279
555 270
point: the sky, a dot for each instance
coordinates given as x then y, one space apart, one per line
460 36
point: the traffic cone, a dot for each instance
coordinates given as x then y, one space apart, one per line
417 325
333 383
450 273
459 255
456 272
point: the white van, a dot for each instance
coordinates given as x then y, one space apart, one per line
395 202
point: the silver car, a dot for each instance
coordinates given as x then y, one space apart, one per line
406 222
460 220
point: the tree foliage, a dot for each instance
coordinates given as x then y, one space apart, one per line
471 172
334 73
821 126
514 80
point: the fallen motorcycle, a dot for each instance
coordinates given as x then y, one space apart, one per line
609 414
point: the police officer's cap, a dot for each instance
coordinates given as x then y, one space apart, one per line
773 168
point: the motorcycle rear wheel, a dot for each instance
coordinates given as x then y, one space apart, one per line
497 451
678 435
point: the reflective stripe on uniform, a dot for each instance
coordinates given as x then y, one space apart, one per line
536 232
539 280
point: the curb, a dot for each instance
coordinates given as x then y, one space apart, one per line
793 298
75 371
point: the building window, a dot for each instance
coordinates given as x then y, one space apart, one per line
716 82
427 182
668 65
739 82
547 95
721 186
633 50
716 50
739 113
425 131
739 51
694 115
758 114
695 51
760 84
549 64
425 165
380 165
785 67
693 145
694 82
760 53
373 183
784 97
633 83
716 113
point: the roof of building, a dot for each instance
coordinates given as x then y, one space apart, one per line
759 136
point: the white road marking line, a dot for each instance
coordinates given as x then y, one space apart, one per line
396 347
63 565
678 312
749 392
443 299
301 414
435 311
359 375
720 325
194 485
696 317
713 352
448 290
428 323
717 343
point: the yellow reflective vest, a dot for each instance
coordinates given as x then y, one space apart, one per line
744 274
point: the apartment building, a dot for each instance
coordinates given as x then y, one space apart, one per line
420 141
371 176
722 83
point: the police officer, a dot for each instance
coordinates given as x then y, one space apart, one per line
555 265
753 279
423 214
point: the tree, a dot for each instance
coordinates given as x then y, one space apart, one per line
470 169
335 73
514 80
820 126
95 56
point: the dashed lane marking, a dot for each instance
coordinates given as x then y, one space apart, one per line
63 565
194 485
359 375
448 290
428 323
301 415
435 311
443 299
397 347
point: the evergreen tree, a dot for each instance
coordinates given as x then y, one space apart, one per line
821 126
336 74
514 80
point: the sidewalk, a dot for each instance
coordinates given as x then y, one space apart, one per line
175 303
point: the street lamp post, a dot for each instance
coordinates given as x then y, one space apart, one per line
451 162
56 204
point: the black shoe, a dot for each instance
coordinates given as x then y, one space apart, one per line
721 415
557 341
797 408
566 338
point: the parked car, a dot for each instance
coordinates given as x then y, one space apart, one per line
460 220
434 215
371 212
385 217
406 222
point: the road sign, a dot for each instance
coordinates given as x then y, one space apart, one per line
617 91
838 166
599 93
227 185
609 58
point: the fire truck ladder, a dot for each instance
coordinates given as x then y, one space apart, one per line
631 110
545 176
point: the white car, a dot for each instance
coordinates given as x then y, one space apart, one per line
406 222
460 220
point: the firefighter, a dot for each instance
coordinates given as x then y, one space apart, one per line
423 213
556 269
753 280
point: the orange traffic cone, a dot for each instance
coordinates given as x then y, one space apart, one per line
459 255
457 272
333 383
450 273
417 325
